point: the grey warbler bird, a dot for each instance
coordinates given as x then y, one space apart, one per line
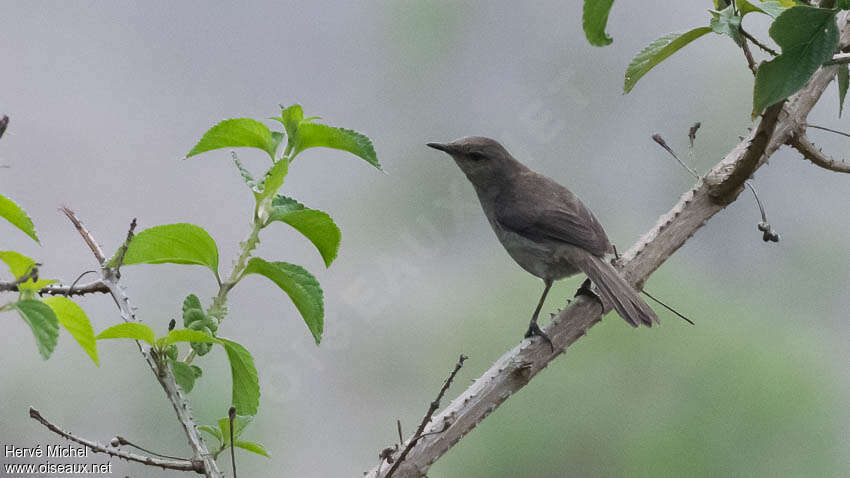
544 227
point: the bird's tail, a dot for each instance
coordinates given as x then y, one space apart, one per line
617 292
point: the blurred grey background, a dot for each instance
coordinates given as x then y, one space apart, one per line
106 97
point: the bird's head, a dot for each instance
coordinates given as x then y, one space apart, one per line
484 161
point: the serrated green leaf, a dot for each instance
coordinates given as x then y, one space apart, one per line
313 135
594 20
240 423
253 447
808 37
727 22
172 243
129 330
773 9
237 133
272 181
43 322
658 51
300 285
290 118
13 213
21 265
317 226
246 385
183 375
76 322
246 175
212 431
843 81
187 335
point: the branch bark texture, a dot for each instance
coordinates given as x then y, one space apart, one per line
718 188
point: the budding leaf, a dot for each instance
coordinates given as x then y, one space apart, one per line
21 265
246 385
594 20
726 22
172 243
658 51
187 335
129 330
235 133
300 285
76 322
43 322
183 375
316 225
808 37
15 215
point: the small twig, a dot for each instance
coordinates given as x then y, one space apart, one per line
431 409
692 133
842 133
232 415
809 151
4 122
751 62
658 139
90 288
123 441
95 248
668 307
73 284
119 260
400 435
171 464
768 234
757 43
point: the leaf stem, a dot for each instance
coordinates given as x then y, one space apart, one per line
218 309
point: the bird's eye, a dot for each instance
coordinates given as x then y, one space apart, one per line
477 156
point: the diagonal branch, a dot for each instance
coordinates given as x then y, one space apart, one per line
811 152
712 194
163 374
170 464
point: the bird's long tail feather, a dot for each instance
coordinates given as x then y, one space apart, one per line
618 293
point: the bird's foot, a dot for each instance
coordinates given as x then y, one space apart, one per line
534 330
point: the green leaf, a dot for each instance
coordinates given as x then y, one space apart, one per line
186 335
236 133
246 175
312 135
15 215
843 81
658 51
191 302
316 225
240 423
727 22
842 4
43 322
172 243
290 118
774 9
594 19
246 385
300 285
272 181
808 37
129 330
252 447
21 265
76 322
212 431
183 375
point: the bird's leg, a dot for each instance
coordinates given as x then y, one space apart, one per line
533 329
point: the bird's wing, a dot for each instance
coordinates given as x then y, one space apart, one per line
543 210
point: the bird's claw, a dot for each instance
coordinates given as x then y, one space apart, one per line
534 330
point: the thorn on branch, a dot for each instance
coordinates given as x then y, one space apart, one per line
86 235
119 261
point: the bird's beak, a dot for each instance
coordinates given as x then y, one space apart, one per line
440 146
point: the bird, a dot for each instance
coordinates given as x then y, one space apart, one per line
544 227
